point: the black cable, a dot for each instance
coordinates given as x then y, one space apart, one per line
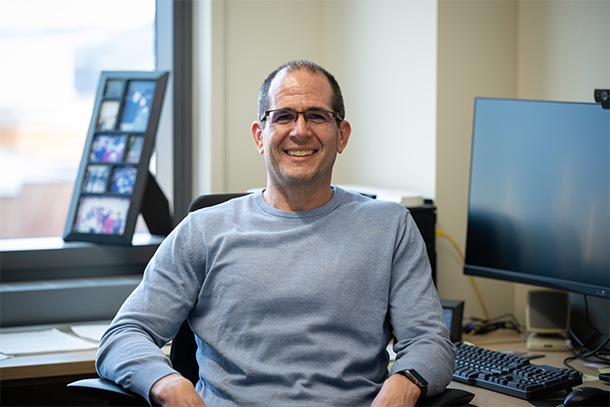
483 326
587 315
584 353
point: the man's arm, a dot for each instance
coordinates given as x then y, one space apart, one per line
416 315
175 390
129 352
397 391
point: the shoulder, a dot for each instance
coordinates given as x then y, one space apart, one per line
213 212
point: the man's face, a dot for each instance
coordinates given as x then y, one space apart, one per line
300 153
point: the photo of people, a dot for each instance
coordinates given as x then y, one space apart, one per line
114 88
108 148
123 180
101 215
137 105
109 110
134 151
96 178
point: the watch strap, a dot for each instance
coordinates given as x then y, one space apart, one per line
418 380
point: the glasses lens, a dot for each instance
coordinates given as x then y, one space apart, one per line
318 116
287 116
283 116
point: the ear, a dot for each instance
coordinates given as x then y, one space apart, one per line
257 135
345 130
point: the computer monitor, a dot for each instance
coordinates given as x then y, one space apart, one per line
538 210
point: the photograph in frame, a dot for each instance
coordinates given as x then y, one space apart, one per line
109 111
101 215
108 148
123 180
96 179
114 88
137 105
134 150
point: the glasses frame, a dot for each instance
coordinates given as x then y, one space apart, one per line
336 115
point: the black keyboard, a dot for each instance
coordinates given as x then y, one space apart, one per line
511 375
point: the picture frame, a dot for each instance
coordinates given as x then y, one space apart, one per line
114 184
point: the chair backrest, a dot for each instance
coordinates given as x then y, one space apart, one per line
184 347
203 201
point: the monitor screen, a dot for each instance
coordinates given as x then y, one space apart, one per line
538 210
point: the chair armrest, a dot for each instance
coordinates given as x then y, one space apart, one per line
449 397
107 390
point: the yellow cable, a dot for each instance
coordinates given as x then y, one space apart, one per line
472 280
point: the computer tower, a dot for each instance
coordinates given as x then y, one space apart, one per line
425 218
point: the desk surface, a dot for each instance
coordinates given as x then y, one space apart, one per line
82 362
53 364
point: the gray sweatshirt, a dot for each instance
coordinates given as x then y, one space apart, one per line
288 308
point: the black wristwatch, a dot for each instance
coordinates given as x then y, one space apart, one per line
419 381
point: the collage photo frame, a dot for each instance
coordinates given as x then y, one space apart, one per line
113 174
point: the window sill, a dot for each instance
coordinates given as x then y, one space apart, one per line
49 281
51 258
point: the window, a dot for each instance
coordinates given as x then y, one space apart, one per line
53 53
86 275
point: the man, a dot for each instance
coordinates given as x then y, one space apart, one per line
293 292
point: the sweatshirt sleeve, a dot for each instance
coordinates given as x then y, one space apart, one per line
130 350
421 334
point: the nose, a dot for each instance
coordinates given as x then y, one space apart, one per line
300 126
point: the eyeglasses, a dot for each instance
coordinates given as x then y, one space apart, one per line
288 116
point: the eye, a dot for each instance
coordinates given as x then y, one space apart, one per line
283 117
318 116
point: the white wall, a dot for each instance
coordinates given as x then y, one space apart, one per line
383 49
384 55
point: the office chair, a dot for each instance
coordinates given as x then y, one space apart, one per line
184 347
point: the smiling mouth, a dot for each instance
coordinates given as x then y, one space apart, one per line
300 153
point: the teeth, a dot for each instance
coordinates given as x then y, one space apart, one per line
300 153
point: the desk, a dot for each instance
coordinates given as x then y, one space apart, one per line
24 370
41 379
48 365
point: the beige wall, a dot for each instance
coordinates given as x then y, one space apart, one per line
477 45
395 59
547 50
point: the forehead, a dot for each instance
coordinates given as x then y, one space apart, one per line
299 89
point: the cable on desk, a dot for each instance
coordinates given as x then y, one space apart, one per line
481 326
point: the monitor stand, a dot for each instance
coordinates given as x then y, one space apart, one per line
548 342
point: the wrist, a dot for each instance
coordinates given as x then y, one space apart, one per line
418 380
162 390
